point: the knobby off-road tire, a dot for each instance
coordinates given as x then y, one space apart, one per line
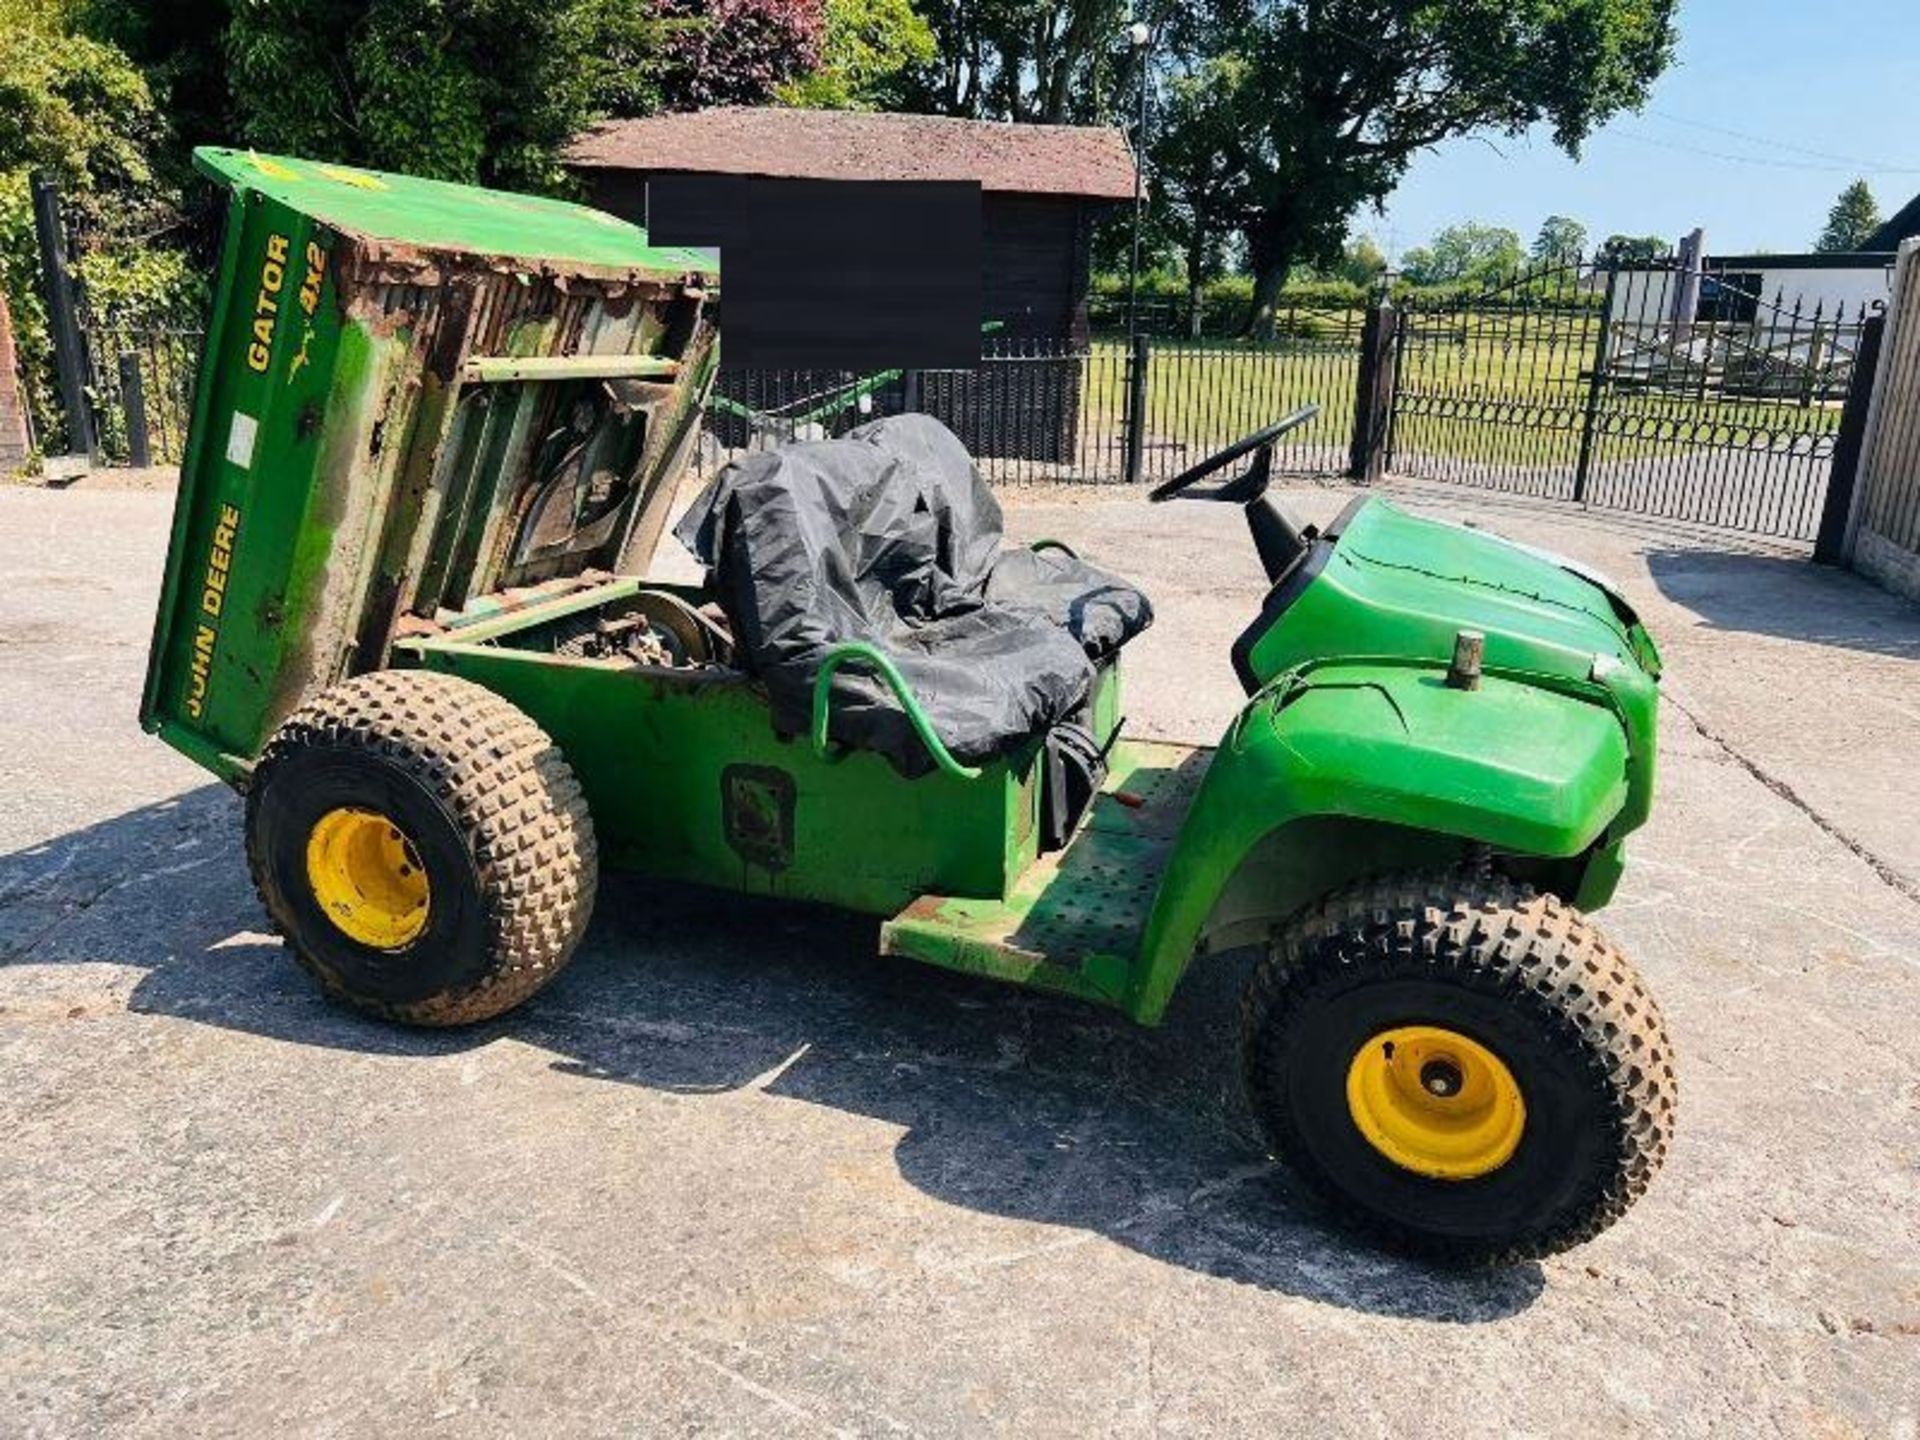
1523 978
474 794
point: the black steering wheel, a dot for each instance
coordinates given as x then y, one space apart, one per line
1251 483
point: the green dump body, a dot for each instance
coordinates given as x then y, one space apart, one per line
391 366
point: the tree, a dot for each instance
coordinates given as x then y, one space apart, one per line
1362 262
78 110
1854 217
1051 61
491 91
1633 249
1561 241
178 45
736 52
1198 173
73 107
1342 94
1466 254
869 50
481 91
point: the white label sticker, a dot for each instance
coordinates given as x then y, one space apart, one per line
240 439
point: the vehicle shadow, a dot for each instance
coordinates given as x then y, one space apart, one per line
1010 1103
1787 596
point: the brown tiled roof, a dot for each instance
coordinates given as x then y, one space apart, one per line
857 145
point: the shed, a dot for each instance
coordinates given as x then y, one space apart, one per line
1041 186
1903 226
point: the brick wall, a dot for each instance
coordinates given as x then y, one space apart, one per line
14 441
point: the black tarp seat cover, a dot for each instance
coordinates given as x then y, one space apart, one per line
889 536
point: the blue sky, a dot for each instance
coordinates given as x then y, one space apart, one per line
1837 77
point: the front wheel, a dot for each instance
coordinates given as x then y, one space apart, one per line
1463 1068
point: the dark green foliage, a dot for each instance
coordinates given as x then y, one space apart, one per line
869 51
1466 254
483 91
178 47
77 110
1199 168
1633 249
1361 263
1854 217
1562 240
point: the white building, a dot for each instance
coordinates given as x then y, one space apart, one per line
1779 326
1766 290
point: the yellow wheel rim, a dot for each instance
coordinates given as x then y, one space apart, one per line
368 878
1435 1102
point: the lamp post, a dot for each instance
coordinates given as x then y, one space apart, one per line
1138 36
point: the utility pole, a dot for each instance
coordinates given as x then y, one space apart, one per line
1138 36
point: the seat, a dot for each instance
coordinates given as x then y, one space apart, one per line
890 537
1099 610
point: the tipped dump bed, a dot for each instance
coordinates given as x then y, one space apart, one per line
412 394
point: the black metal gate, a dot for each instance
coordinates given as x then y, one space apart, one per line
1031 410
1647 388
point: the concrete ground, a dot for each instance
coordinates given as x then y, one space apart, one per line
735 1173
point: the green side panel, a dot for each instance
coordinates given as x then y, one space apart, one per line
1601 877
1073 922
1108 705
434 214
687 780
245 537
1513 764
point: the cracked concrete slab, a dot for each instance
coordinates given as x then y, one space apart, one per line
735 1172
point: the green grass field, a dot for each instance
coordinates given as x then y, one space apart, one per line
1489 391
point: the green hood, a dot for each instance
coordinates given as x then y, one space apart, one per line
1383 583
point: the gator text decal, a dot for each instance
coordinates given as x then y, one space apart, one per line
266 305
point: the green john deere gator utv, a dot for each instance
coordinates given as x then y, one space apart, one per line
437 435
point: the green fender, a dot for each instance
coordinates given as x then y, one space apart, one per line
1349 768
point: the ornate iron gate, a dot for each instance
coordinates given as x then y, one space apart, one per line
1646 388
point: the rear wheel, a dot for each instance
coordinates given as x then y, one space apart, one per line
423 847
1463 1068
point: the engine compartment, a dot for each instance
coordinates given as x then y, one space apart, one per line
652 629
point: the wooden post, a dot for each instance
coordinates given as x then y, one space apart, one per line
1849 447
133 404
1373 394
